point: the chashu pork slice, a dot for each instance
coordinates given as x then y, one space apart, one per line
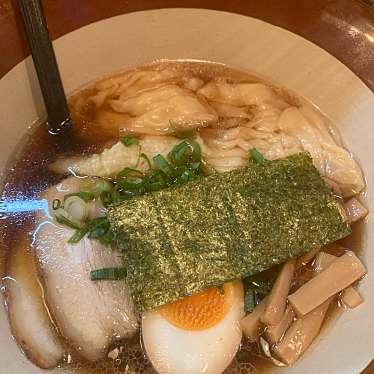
28 317
90 315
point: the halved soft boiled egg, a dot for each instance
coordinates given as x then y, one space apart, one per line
198 334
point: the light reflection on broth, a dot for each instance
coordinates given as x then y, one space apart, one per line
30 175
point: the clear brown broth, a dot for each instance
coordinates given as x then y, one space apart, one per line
28 175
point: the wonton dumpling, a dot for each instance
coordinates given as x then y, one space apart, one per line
341 168
332 160
132 83
164 110
265 119
293 123
242 94
112 160
227 110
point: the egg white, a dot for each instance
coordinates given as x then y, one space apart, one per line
173 350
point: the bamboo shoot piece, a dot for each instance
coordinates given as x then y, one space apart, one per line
301 334
251 324
274 333
355 210
351 298
323 261
276 304
343 271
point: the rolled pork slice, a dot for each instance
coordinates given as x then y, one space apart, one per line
28 316
90 315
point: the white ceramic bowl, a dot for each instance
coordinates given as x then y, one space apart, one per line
286 59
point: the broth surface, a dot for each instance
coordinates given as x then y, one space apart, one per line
29 175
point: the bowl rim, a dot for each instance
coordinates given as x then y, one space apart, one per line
341 27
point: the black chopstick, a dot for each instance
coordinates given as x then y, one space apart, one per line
46 65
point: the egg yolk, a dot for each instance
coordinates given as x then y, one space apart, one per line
200 311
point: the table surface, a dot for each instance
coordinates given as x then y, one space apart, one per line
327 23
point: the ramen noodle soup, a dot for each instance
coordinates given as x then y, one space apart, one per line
196 219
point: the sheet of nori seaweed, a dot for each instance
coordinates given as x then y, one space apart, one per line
182 240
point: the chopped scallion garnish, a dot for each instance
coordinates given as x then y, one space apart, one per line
163 165
108 274
64 218
85 196
106 198
78 236
97 228
129 140
257 156
183 164
125 172
147 160
185 153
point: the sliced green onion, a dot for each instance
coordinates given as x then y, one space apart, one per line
257 156
64 218
194 165
78 236
108 274
97 228
249 300
162 164
132 183
96 222
185 153
76 208
129 140
183 164
125 172
156 181
106 198
147 160
56 204
196 151
97 232
176 154
85 196
187 176
120 194
107 238
95 186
